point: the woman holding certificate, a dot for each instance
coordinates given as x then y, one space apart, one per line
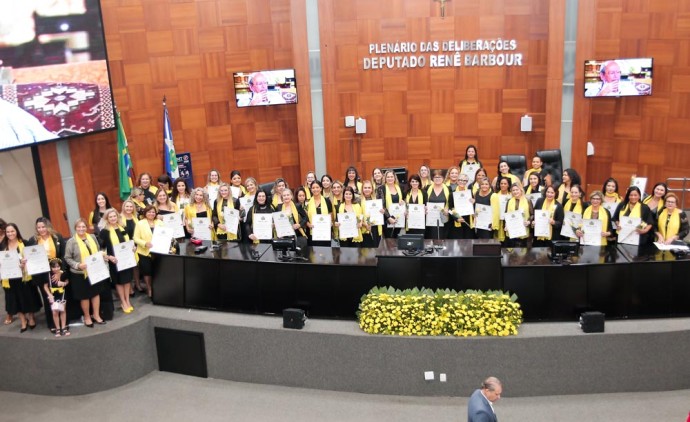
23 298
144 183
393 200
79 247
518 218
199 208
439 201
611 196
485 198
570 178
596 222
212 185
672 223
630 211
143 234
261 208
317 206
297 215
415 200
54 245
236 188
349 220
548 218
277 191
225 201
573 209
112 234
504 171
370 232
128 220
463 211
471 163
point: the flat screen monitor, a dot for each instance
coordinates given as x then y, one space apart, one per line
54 80
265 88
411 242
618 77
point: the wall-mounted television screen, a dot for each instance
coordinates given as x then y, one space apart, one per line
618 77
54 80
265 87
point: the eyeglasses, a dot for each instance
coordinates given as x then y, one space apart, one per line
463 180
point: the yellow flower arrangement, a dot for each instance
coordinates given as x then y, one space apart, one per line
439 313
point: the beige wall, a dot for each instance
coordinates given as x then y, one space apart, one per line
18 190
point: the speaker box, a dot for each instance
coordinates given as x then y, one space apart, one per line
592 322
486 247
293 318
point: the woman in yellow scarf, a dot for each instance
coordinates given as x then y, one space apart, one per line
371 234
633 207
548 204
199 208
519 203
298 215
223 201
79 247
425 176
596 211
415 195
486 196
471 163
655 201
570 178
391 195
348 208
23 296
672 223
439 194
611 196
463 225
111 235
504 171
320 206
143 234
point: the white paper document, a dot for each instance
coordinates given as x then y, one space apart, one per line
484 217
534 197
262 226
322 227
124 252
9 265
470 170
36 260
502 203
202 231
640 182
174 222
283 225
397 211
434 214
571 222
591 232
610 206
373 211
246 202
348 225
96 268
542 223
462 204
515 224
232 219
627 234
162 237
416 214
212 193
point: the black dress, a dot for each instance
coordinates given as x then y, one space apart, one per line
22 296
256 209
117 277
441 231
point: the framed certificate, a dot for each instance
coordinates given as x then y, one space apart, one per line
485 216
9 265
591 232
515 224
542 223
463 206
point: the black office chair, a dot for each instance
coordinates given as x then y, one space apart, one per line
517 164
553 164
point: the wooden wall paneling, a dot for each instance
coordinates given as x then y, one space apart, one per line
55 198
582 107
554 74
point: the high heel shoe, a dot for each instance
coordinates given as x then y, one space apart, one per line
89 325
101 322
22 329
31 327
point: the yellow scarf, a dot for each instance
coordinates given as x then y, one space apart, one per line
26 277
603 217
276 200
530 171
52 253
457 223
669 225
513 178
114 239
295 215
550 206
561 193
364 206
529 190
577 209
389 196
446 193
359 214
614 195
659 205
221 217
635 212
83 251
420 198
312 210
523 206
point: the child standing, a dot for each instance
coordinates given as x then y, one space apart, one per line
55 290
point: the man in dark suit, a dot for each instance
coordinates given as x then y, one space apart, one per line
480 407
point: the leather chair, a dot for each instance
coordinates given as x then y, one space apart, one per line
517 164
553 164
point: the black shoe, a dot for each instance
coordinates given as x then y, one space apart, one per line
88 325
22 329
101 322
31 327
53 330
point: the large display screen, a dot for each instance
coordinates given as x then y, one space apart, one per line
618 77
54 80
265 87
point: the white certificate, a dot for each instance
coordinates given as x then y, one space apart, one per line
246 202
502 203
283 224
461 200
262 226
571 222
162 237
373 210
96 268
434 214
627 234
348 225
36 259
397 211
232 219
485 216
416 214
212 193
610 206
542 223
124 252
591 232
202 231
515 224
534 197
640 182
470 170
174 223
10 265
322 227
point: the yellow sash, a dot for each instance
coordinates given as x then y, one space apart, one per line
221 217
389 196
52 253
295 215
669 226
577 209
83 251
603 217
359 214
550 206
523 206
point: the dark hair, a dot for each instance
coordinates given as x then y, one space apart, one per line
552 187
411 178
574 177
626 200
3 224
437 172
534 173
582 192
357 178
476 153
175 193
235 173
96 213
298 190
256 197
149 208
164 178
498 183
610 179
19 234
664 185
316 182
351 190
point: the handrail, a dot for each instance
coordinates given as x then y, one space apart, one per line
683 190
